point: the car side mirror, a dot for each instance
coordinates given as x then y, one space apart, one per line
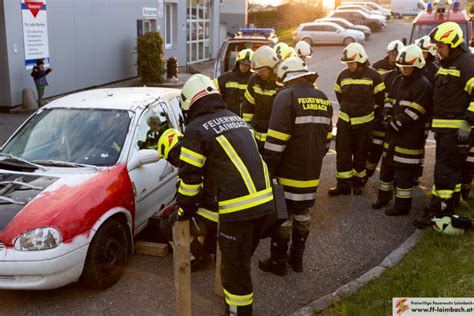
142 157
338 31
404 41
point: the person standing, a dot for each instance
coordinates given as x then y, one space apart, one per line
296 145
260 93
453 116
219 146
232 84
388 62
39 74
360 92
411 94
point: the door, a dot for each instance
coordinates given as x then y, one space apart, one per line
154 184
334 35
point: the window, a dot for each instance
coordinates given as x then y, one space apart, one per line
149 25
313 28
170 25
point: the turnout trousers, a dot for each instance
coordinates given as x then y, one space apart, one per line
450 158
352 149
376 149
238 241
393 177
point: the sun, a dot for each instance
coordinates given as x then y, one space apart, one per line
328 4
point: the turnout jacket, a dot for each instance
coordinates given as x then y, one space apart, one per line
382 66
360 95
258 103
298 138
232 86
430 69
411 101
218 146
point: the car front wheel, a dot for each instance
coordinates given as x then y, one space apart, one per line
348 40
107 256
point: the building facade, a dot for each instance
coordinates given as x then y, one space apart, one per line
92 42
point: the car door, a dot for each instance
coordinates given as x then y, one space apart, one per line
318 34
154 184
333 34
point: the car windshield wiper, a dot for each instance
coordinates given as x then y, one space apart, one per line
60 163
21 160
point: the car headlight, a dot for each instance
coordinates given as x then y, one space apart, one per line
38 239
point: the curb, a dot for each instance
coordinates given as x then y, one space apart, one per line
391 260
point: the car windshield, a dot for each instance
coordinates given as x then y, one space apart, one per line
83 136
420 30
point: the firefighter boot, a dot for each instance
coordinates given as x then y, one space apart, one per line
341 188
383 198
202 259
276 264
298 240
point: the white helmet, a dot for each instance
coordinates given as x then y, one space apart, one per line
279 49
195 88
293 68
354 52
303 49
425 44
263 57
393 46
410 56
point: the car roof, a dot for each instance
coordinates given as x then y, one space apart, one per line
432 17
113 98
352 11
323 23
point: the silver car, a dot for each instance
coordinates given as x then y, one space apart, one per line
348 25
327 33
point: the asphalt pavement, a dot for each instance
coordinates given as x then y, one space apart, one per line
347 239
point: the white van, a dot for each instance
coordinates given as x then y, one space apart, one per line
407 7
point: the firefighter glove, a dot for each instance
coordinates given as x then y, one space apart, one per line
179 215
464 132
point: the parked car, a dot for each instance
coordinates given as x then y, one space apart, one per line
373 6
348 25
327 33
374 13
360 17
77 183
246 38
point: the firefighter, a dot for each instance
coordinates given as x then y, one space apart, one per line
360 91
429 53
232 84
411 94
378 133
204 223
219 146
280 48
388 62
298 138
303 50
261 90
453 116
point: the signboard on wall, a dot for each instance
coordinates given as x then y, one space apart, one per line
160 8
150 12
35 32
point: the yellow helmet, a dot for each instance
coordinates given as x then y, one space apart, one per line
449 33
354 52
425 44
279 48
244 56
168 141
195 88
288 53
263 57
410 56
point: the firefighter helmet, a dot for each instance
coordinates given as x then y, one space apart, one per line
167 141
279 48
444 225
263 57
354 52
288 53
195 88
410 56
244 56
293 68
449 33
394 46
303 49
425 44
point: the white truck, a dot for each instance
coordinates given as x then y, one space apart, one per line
402 8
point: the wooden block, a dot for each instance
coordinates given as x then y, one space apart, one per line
218 290
182 268
151 248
